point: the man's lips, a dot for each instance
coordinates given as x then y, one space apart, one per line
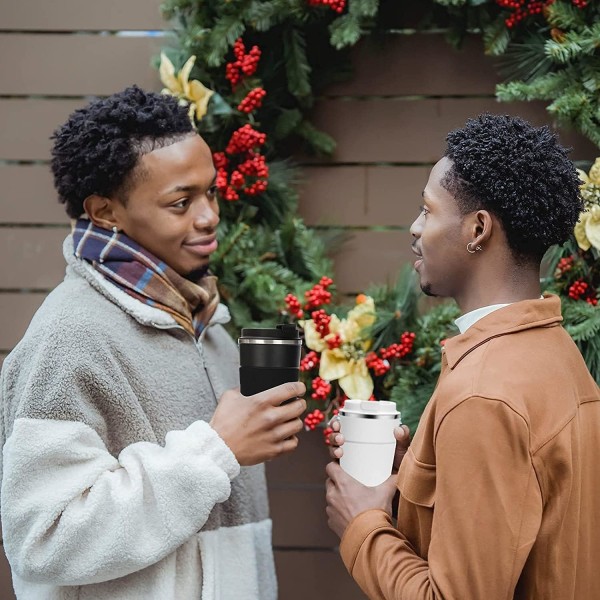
419 257
203 246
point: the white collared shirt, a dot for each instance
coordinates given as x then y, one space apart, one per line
465 321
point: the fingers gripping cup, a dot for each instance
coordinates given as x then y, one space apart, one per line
369 442
268 357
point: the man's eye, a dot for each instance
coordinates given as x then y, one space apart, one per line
424 210
212 191
181 203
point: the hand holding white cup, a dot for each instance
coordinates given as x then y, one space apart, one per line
369 439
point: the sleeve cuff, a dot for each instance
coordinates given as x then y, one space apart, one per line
217 449
359 529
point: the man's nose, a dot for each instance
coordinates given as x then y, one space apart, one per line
206 215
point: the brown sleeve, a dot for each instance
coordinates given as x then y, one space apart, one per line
487 513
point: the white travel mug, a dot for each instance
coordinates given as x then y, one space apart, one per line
369 442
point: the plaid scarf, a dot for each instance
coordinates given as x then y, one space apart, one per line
145 277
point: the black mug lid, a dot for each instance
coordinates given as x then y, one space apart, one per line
287 331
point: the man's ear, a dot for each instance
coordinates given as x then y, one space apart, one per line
101 211
482 228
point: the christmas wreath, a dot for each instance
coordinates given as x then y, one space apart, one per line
250 71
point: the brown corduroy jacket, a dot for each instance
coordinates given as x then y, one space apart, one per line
500 489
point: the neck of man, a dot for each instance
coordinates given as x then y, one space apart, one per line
489 286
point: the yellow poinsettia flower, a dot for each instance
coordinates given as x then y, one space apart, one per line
193 92
346 363
587 229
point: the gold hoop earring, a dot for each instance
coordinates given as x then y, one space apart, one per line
470 248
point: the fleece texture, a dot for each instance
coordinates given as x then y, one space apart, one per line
113 483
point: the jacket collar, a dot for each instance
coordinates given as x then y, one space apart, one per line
527 314
142 313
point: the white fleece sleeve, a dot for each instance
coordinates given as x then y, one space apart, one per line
72 514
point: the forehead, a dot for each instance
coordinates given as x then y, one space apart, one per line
435 194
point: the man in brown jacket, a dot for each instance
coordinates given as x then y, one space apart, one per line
500 487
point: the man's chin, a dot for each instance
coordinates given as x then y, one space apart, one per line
197 274
426 289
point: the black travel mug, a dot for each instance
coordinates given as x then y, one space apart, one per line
269 357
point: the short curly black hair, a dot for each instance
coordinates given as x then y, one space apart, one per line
98 148
521 174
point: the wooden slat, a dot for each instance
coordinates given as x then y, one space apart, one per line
314 576
308 528
18 308
27 195
66 15
362 195
305 466
418 64
392 130
368 257
371 257
31 258
27 125
6 589
65 65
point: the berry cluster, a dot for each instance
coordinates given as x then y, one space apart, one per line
581 290
293 306
253 100
310 361
407 340
321 389
326 433
244 65
334 342
564 265
322 320
378 365
244 141
521 9
335 5
318 294
313 419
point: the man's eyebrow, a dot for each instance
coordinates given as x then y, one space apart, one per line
182 188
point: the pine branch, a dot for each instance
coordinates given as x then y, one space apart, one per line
321 143
363 8
297 66
496 37
223 35
574 44
344 31
564 15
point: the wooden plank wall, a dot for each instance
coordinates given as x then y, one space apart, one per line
390 122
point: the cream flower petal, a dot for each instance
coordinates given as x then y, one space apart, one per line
583 176
184 75
167 75
201 96
358 384
335 324
349 330
592 227
595 172
580 231
363 314
334 365
312 337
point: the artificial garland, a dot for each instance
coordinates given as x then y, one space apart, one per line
255 80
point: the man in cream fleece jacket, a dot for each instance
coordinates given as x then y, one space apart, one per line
131 465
